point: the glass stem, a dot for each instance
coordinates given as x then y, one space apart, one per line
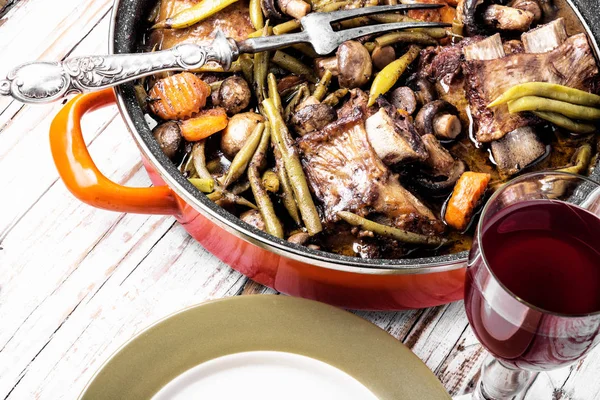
499 382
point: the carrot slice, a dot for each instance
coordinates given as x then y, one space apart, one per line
178 96
448 14
468 190
204 124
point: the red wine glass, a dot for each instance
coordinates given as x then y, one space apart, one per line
532 291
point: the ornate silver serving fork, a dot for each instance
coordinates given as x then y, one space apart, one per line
42 82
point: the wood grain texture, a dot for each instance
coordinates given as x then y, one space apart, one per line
76 282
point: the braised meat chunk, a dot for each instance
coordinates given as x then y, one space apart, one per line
571 64
345 174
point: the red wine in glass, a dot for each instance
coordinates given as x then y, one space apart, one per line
533 294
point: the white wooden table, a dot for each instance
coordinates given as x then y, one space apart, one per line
77 282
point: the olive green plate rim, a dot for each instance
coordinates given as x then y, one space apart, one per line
145 364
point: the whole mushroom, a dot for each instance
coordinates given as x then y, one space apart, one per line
238 130
424 90
439 118
352 65
168 136
234 94
403 98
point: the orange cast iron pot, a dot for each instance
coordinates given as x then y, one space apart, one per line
350 286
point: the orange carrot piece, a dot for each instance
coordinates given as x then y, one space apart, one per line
427 15
204 124
178 96
452 3
448 14
467 193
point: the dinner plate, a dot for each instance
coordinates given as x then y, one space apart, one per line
264 347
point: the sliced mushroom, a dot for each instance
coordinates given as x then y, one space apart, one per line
533 6
253 218
299 238
270 10
443 169
382 56
234 94
507 18
403 98
238 129
168 136
312 117
439 118
468 13
352 65
424 90
294 8
393 137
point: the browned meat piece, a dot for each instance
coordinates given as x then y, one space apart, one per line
513 47
517 150
233 21
345 174
393 136
571 64
444 63
546 37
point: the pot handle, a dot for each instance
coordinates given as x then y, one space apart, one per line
82 177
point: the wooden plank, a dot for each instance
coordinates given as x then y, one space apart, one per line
26 164
40 29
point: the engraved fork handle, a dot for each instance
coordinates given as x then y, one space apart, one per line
43 82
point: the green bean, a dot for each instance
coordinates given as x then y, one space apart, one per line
256 15
187 166
284 142
265 205
261 69
220 197
549 90
203 185
321 88
294 65
336 5
199 160
334 98
273 93
214 166
240 187
388 76
286 27
247 66
305 49
142 96
533 103
370 46
390 232
270 181
388 18
405 37
194 14
300 95
566 123
580 161
242 158
287 193
214 86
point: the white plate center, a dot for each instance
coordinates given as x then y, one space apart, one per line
264 375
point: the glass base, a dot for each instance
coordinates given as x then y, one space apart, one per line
499 382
